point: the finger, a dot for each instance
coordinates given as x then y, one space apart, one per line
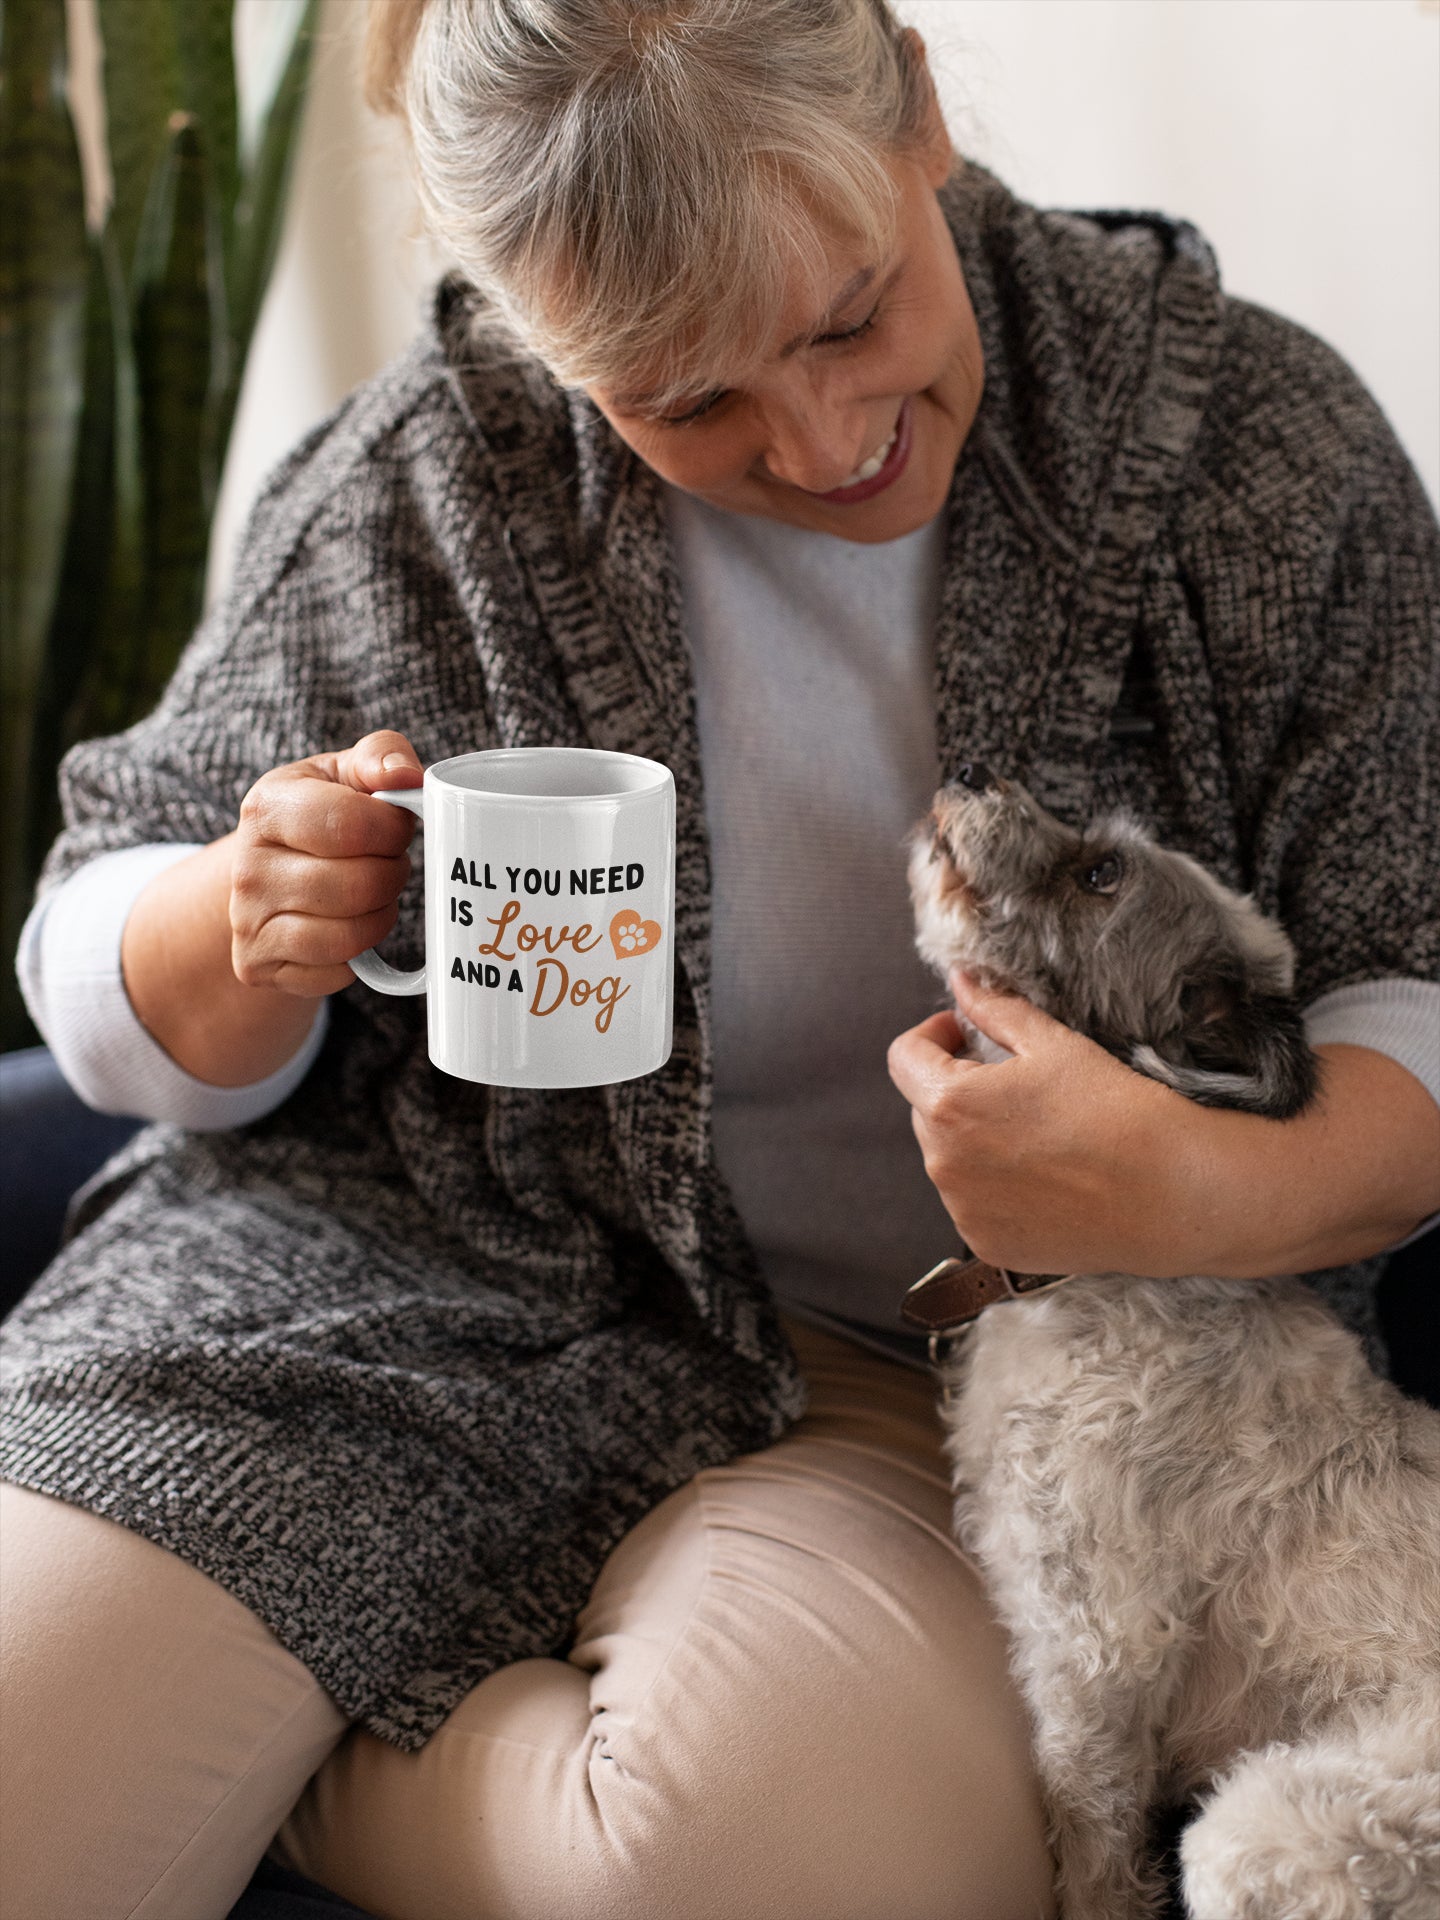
942 1029
305 941
284 880
919 1059
1007 1018
381 761
306 983
378 760
305 807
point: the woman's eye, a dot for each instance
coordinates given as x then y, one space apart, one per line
712 400
697 412
1103 875
849 333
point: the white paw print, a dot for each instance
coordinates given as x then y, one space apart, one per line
632 939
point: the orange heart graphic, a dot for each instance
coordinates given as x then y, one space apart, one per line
629 934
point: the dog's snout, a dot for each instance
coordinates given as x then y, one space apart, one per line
977 777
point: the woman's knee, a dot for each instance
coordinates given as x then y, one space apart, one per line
787 1699
834 1734
155 1731
779 1792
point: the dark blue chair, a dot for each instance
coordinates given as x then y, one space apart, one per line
50 1144
274 1894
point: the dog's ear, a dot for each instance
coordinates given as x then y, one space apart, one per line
1236 1049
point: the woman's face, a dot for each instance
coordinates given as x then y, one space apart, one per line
855 419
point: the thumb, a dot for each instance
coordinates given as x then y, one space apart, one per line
1007 1018
382 759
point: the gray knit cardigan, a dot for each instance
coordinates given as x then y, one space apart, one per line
398 1363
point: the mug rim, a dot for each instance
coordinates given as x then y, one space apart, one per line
662 776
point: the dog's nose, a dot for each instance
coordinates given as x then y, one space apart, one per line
976 776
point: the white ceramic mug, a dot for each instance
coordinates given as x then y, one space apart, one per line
549 915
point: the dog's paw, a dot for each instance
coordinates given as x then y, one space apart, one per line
1312 1833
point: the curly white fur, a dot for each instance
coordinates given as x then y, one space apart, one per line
1213 1535
1329 1827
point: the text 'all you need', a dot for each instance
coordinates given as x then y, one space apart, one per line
556 982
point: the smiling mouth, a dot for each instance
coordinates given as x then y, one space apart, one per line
883 467
868 469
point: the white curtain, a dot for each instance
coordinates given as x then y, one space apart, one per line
1302 136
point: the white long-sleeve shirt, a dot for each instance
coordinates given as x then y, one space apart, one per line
69 968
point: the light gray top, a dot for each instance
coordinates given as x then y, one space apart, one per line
810 789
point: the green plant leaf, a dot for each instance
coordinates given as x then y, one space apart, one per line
205 38
162 57
165 473
44 269
83 585
120 364
179 354
100 697
143 87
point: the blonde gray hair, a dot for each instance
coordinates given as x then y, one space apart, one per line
635 184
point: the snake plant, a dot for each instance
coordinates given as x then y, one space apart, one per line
121 355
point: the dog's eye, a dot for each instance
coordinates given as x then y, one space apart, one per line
1104 875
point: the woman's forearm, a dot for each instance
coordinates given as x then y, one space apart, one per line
175 959
1346 1179
1062 1159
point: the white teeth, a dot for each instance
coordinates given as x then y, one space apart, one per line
868 469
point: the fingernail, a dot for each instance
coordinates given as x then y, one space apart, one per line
394 760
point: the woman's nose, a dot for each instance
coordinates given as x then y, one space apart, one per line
817 451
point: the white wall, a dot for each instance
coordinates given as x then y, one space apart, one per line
1302 136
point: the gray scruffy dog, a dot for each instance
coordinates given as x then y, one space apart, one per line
1212 1533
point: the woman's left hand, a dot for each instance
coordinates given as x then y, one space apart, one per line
1065 1160
1051 1162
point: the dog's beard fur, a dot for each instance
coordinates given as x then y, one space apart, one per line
1135 946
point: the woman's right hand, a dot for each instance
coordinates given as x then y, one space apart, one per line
226 952
317 868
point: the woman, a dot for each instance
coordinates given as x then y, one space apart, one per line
821 466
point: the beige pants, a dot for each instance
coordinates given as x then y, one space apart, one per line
787 1700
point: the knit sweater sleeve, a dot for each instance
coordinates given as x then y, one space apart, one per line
313 645
242 701
1319 603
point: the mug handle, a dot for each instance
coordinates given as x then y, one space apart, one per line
368 966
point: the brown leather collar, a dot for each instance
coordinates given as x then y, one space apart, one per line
958 1291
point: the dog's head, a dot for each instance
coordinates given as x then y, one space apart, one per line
1133 945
